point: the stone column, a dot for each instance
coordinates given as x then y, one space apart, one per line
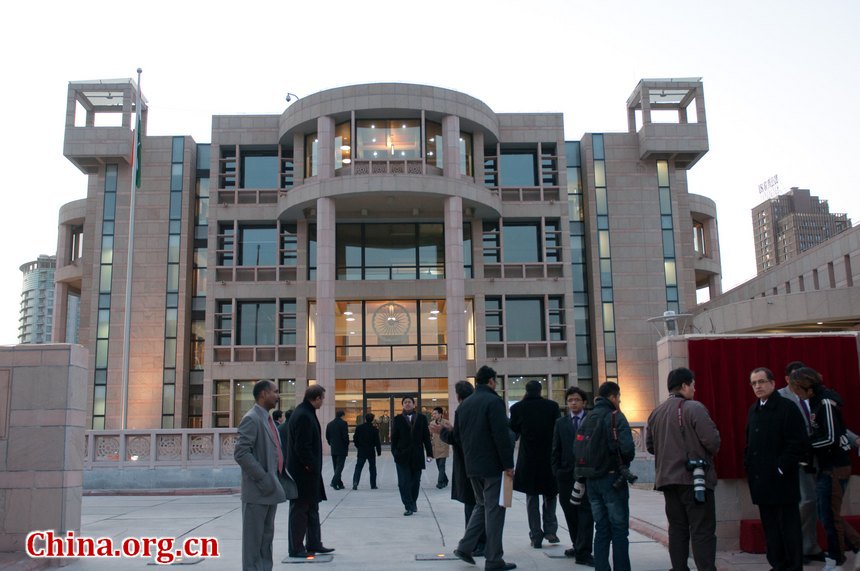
455 305
326 221
325 147
43 398
451 142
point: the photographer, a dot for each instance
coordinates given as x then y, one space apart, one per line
684 440
603 450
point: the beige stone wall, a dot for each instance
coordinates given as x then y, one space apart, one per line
43 395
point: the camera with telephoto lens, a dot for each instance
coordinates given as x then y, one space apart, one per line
698 466
577 493
625 476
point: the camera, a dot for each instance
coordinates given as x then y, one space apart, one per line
698 466
577 493
625 476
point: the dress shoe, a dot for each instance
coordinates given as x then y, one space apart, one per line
537 543
372 487
300 554
355 486
463 556
504 565
570 552
320 550
552 538
408 512
814 557
587 560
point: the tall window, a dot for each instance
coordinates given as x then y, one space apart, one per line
390 251
521 242
259 169
388 139
258 245
524 319
518 168
256 323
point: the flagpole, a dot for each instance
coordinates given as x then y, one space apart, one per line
135 183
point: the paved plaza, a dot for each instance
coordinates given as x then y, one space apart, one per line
367 528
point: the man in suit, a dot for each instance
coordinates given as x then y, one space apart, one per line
409 434
461 486
337 436
258 453
580 522
776 441
304 462
533 420
680 430
482 428
366 440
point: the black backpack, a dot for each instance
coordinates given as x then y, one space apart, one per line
593 448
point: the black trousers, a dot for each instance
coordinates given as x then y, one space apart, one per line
337 463
304 521
688 521
580 523
359 466
409 483
781 523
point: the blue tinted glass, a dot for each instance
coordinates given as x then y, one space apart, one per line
175 205
521 244
176 176
110 206
110 178
260 171
571 153
518 169
178 149
204 154
597 145
668 244
524 319
258 246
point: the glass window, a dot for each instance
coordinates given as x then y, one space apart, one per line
388 139
311 144
518 168
434 144
603 243
390 246
599 173
258 246
176 177
224 323
671 279
342 145
178 149
466 161
431 250
348 251
256 323
259 169
204 156
662 173
521 243
524 319
668 244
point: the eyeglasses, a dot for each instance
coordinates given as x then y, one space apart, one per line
760 383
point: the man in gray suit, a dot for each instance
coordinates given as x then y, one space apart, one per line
258 453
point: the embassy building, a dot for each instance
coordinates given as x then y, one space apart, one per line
380 240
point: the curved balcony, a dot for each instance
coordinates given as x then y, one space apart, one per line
391 196
388 99
74 212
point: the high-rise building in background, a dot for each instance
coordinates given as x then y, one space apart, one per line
792 223
380 240
37 300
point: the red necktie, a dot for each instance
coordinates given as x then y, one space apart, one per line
277 445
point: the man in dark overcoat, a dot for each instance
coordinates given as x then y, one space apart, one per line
409 435
533 420
482 427
366 440
337 436
776 440
461 486
304 462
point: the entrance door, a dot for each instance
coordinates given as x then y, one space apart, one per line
385 407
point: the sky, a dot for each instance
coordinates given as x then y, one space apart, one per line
777 77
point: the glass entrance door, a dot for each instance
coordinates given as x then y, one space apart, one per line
384 407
